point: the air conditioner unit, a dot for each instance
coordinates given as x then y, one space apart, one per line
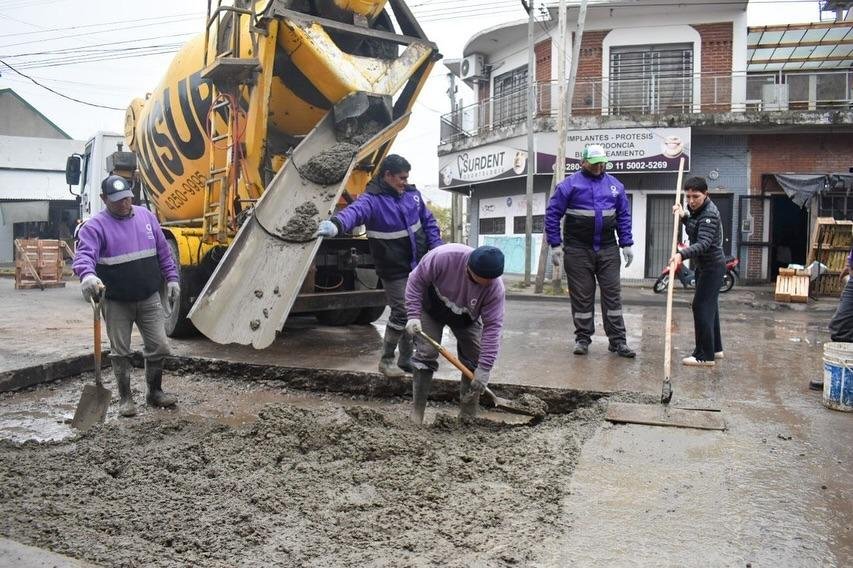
774 97
473 67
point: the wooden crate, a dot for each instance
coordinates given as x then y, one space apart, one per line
792 288
39 263
830 244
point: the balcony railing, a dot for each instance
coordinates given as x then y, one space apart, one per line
803 91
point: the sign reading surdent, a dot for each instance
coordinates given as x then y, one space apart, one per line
486 163
641 150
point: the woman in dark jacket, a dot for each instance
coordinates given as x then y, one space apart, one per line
705 232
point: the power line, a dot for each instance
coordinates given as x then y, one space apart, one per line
161 19
57 92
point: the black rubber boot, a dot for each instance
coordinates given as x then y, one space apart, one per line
154 378
421 383
406 345
121 370
387 366
469 401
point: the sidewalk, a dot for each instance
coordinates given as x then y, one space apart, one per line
635 293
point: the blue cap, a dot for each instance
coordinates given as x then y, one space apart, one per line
486 262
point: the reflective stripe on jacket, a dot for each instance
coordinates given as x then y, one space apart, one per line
400 227
596 210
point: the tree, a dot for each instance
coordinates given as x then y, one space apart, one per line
442 217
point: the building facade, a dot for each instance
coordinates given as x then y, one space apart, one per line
657 82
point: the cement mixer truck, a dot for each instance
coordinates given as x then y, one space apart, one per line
278 113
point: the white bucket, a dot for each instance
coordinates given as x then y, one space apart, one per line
838 376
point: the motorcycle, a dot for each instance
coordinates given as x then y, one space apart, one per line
688 279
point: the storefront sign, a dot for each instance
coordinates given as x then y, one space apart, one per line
630 150
486 163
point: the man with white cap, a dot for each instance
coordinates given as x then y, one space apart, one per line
461 288
123 254
597 223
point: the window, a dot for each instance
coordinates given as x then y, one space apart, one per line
510 96
651 79
493 226
518 224
836 204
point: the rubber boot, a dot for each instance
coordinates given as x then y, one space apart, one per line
154 378
469 401
387 366
121 370
421 383
406 345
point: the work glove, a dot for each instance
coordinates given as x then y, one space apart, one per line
413 326
557 255
327 229
628 255
173 294
92 287
481 379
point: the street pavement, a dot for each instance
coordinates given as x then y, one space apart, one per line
772 490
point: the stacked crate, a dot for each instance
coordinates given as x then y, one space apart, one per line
830 245
39 263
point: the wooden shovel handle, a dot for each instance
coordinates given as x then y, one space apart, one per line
96 313
448 355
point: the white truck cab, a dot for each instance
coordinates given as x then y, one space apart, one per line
88 169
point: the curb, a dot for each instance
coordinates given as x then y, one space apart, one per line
645 302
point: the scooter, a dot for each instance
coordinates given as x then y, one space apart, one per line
688 278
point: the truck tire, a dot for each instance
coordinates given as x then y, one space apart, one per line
177 324
369 315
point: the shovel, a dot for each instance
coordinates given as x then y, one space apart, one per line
95 399
537 410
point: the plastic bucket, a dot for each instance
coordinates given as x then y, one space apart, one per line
838 376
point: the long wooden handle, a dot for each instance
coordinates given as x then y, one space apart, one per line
96 312
676 229
448 355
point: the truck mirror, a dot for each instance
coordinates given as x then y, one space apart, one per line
72 169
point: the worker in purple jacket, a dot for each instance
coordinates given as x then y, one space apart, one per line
400 231
596 210
123 254
458 287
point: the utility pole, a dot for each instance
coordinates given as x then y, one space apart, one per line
531 155
455 198
565 109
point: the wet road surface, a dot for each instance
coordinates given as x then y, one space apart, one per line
773 490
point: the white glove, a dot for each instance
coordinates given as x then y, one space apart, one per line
327 229
92 287
413 327
557 255
173 294
628 255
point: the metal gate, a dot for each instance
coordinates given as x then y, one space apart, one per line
754 222
659 221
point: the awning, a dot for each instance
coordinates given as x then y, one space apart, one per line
795 47
802 187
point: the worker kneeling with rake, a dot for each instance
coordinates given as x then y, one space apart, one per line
458 287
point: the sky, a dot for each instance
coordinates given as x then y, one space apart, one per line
131 43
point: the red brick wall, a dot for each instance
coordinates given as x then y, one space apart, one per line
716 66
588 85
542 52
798 153
483 94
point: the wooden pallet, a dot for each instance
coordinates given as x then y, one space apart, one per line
792 287
39 263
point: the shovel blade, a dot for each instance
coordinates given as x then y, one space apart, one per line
92 408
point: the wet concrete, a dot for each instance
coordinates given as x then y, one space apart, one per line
774 489
302 226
